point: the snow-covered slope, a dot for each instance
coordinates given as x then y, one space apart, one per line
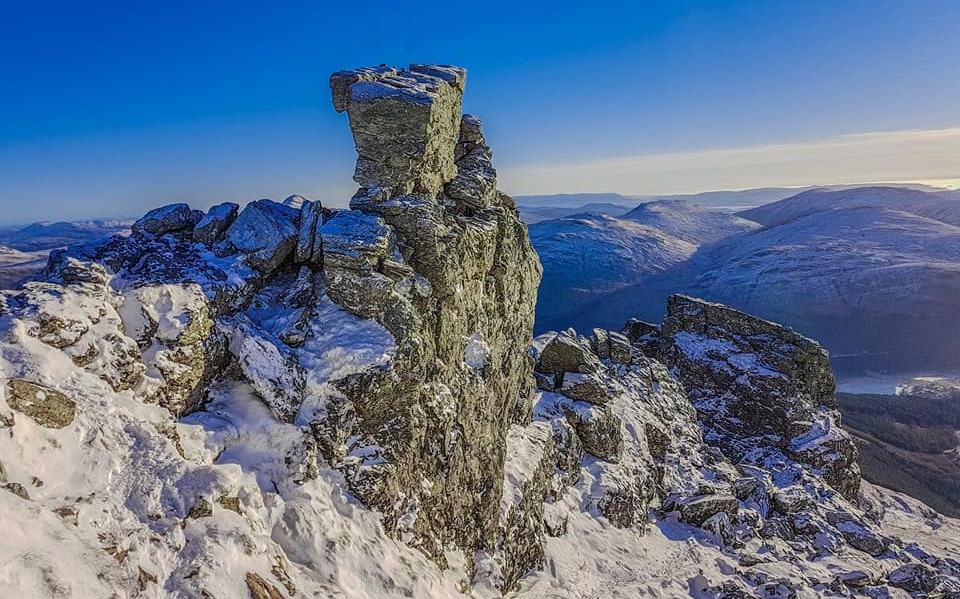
690 222
943 206
535 214
586 256
16 265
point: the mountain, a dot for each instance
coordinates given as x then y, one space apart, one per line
50 235
531 214
942 206
689 221
272 401
868 271
574 200
16 265
586 257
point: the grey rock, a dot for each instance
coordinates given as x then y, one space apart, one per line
567 353
167 219
309 241
18 490
599 431
600 343
266 232
405 125
750 379
475 184
585 387
636 329
218 219
620 350
45 406
696 510
434 275
915 578
356 241
201 509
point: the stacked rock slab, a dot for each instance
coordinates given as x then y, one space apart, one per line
444 263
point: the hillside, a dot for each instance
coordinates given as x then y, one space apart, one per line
909 443
586 257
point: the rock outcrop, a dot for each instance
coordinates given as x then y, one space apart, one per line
761 390
440 258
293 400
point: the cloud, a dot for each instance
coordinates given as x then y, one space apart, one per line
910 155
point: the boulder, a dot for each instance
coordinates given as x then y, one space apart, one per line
172 218
356 241
218 219
309 241
620 350
916 578
44 405
266 232
598 429
585 387
698 509
567 353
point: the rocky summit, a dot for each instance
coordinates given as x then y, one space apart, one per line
291 400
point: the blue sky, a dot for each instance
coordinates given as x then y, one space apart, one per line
112 108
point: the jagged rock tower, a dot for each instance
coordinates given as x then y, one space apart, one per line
448 269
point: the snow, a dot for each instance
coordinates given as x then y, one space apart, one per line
131 491
525 451
476 353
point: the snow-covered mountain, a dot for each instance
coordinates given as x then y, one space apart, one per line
534 214
872 272
588 256
275 402
50 235
16 265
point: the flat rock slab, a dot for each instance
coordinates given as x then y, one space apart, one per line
43 405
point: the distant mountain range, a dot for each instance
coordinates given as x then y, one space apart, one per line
872 272
24 250
540 207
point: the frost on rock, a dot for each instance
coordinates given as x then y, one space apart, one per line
476 352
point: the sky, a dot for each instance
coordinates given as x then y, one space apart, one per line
108 109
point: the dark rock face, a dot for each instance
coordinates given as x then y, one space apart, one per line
266 232
759 388
454 281
218 219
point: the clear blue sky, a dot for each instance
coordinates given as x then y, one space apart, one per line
112 108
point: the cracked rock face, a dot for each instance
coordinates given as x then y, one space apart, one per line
761 390
454 279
